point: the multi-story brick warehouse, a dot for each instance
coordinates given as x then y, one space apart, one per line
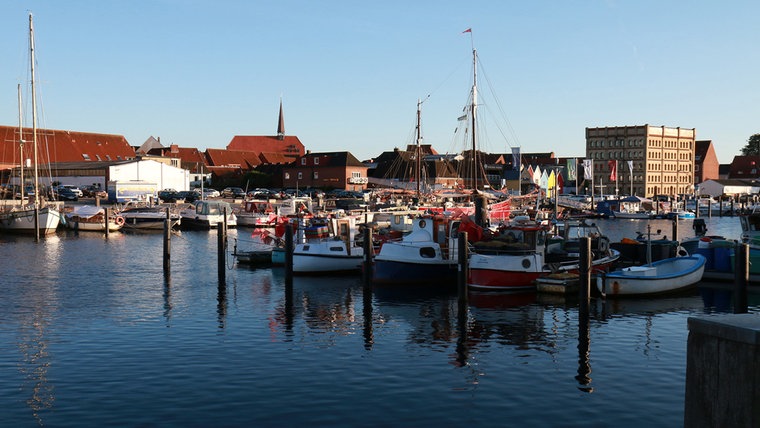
662 159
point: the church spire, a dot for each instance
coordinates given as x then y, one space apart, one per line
281 124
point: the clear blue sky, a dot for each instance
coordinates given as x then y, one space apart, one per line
196 73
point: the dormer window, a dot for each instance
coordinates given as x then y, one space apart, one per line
86 156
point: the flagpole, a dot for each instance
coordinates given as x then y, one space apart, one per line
616 178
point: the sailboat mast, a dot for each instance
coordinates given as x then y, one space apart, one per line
474 112
21 143
34 112
418 155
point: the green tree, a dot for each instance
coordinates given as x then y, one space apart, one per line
753 146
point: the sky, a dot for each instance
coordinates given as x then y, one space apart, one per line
350 73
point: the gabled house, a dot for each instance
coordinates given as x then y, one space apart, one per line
285 145
56 146
745 167
706 165
336 170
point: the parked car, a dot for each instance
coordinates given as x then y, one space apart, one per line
66 194
71 187
210 193
168 195
188 195
233 192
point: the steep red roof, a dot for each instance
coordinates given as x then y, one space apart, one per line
65 146
232 158
288 145
275 158
190 157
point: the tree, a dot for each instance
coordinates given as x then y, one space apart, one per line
753 146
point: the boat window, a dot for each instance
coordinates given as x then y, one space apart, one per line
336 248
305 248
427 252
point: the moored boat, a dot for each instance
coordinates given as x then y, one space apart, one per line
427 255
205 214
91 218
661 277
329 252
147 217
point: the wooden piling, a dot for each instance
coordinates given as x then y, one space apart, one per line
462 274
167 242
584 266
741 278
106 231
221 253
367 260
289 256
675 228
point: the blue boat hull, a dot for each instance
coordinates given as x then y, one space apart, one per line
401 273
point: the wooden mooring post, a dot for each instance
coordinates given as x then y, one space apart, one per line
289 256
105 221
584 275
584 296
221 235
462 267
675 228
367 258
167 243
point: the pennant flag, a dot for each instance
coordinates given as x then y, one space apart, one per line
613 170
469 30
572 173
630 165
588 169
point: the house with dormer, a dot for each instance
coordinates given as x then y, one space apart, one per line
333 170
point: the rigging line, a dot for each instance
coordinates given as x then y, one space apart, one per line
499 106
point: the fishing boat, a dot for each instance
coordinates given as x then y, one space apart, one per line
660 277
205 214
143 216
512 260
37 216
90 218
523 252
427 255
329 248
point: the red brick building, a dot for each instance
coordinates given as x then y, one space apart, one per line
705 162
337 170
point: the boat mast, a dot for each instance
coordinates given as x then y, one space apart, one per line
474 110
34 113
418 162
21 143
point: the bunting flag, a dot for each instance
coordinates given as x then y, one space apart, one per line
613 170
588 169
630 165
572 165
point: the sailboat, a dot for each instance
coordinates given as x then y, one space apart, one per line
34 217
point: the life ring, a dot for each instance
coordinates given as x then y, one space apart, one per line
119 220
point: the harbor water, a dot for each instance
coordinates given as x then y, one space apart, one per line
92 333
